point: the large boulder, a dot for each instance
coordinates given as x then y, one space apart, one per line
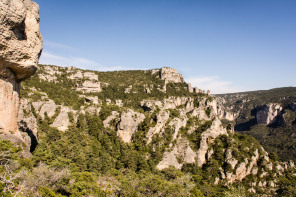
20 49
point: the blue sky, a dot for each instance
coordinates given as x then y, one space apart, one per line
221 45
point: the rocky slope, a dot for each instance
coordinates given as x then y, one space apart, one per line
161 117
269 116
20 49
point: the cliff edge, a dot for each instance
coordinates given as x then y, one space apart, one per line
20 49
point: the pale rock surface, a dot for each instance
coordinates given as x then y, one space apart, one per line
20 48
190 88
114 115
255 170
181 151
93 99
148 88
91 76
128 124
89 86
214 131
9 103
93 110
200 113
154 71
128 89
46 77
169 103
50 73
244 168
162 88
49 107
271 184
222 112
229 159
76 75
268 113
161 119
151 104
176 124
170 75
20 39
119 103
196 90
252 190
62 121
108 101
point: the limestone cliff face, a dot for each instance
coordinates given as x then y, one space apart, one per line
20 39
170 75
20 49
128 124
267 114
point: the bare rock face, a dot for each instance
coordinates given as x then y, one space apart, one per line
168 103
62 121
182 153
128 124
20 39
161 119
214 131
170 75
268 113
89 86
45 107
20 48
114 116
28 124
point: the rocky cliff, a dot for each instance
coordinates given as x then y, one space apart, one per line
268 115
177 128
20 49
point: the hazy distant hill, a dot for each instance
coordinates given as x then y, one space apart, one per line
269 116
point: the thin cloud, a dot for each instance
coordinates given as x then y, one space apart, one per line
47 43
214 84
49 58
83 63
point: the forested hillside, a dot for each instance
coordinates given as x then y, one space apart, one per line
133 133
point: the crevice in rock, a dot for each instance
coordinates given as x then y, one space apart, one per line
20 31
23 127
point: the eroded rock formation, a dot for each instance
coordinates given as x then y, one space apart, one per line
20 49
170 75
128 124
267 114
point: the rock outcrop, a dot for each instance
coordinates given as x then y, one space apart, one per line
170 75
267 114
182 153
27 123
128 124
20 49
89 86
161 119
62 121
214 131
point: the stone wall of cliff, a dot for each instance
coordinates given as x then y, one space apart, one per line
20 49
